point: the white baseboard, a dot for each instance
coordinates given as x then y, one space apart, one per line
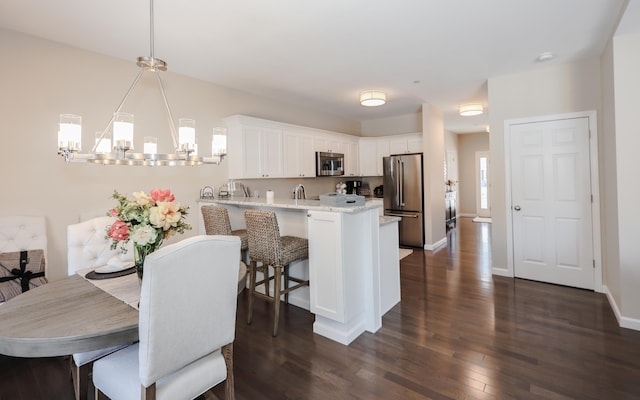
467 215
436 245
624 322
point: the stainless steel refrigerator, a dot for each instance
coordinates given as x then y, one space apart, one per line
403 196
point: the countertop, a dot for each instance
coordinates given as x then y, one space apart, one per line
289 203
385 220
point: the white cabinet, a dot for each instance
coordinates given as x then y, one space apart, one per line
335 270
254 151
351 159
371 152
298 157
402 144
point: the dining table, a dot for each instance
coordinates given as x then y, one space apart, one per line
74 315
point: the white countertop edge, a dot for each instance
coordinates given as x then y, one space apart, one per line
386 220
289 203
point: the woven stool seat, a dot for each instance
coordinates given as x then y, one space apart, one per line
268 249
216 222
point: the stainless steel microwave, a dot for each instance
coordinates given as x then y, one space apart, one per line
329 164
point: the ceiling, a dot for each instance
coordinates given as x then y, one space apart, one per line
322 54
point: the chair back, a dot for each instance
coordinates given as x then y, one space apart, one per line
88 247
19 233
216 220
187 303
263 233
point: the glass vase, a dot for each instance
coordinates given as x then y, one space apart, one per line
139 254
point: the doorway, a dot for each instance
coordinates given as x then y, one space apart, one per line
551 215
483 206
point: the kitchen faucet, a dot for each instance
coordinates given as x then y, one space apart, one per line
298 192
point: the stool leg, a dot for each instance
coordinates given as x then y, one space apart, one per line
265 273
252 287
286 283
276 299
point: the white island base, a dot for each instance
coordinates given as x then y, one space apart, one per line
344 266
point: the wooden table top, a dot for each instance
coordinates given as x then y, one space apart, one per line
74 315
65 317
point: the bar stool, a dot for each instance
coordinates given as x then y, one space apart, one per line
268 248
216 222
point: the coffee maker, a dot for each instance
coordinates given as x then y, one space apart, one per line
353 187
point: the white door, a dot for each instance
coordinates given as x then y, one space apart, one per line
483 207
551 202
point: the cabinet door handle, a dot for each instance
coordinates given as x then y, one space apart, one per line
517 208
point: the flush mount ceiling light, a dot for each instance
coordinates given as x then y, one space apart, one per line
114 145
546 56
471 109
373 98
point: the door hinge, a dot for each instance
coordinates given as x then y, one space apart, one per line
592 199
594 264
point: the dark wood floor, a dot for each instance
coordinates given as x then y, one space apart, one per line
459 333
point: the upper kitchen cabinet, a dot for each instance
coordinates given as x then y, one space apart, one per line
351 159
255 151
298 155
372 149
403 144
327 143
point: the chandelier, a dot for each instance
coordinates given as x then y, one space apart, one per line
114 145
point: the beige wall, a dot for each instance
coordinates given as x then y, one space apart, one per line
608 181
468 145
433 151
40 80
409 123
547 90
626 60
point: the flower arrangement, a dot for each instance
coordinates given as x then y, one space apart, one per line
147 220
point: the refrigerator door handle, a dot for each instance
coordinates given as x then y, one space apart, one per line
401 180
402 215
397 176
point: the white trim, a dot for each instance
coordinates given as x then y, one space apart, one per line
436 245
467 215
595 189
624 322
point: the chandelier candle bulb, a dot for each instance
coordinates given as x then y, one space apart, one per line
123 131
150 145
103 145
70 133
187 134
219 142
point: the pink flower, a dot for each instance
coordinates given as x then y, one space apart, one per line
119 231
113 212
162 195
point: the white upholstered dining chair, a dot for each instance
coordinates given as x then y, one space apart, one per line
187 325
88 248
19 233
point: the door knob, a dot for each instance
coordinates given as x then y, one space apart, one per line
517 208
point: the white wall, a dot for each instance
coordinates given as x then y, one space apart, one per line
546 90
40 80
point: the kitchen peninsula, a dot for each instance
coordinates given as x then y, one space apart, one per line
350 249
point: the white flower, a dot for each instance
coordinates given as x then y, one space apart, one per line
165 215
144 234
